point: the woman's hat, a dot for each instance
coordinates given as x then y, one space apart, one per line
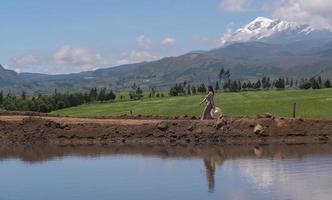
216 113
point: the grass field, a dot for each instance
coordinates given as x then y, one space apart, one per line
310 104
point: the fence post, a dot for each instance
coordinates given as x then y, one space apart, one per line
294 109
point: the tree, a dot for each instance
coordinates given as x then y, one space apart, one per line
216 87
320 82
227 85
224 75
266 82
221 73
234 86
110 95
227 74
102 95
239 86
23 95
93 94
258 84
153 91
193 89
305 84
177 90
244 86
173 91
327 83
137 93
291 83
248 85
201 88
314 83
280 83
1 97
188 90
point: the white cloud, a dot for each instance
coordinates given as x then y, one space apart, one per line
80 59
317 13
24 62
168 41
135 57
235 5
143 42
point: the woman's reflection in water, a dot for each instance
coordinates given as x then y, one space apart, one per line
215 159
211 164
258 151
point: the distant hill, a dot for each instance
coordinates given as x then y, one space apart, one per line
8 77
271 48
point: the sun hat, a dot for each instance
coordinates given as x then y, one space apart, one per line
216 113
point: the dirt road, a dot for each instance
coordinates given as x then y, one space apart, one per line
72 120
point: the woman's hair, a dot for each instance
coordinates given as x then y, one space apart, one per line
210 89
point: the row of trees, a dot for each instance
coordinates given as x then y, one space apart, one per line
184 88
280 83
48 103
268 83
315 83
265 83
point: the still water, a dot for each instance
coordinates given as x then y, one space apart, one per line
166 172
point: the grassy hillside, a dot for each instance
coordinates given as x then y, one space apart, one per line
310 104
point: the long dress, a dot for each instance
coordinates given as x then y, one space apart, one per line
209 104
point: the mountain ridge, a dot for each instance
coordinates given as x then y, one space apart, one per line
262 55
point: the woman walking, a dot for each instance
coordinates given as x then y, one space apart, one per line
209 104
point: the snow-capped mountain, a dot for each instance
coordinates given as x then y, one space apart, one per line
274 31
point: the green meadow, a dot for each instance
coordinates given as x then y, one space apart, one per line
315 104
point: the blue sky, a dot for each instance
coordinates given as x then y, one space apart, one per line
65 36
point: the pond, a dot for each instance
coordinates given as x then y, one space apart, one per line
166 172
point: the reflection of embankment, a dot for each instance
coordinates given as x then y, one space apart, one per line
212 154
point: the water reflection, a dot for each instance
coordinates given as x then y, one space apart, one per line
213 154
231 172
211 163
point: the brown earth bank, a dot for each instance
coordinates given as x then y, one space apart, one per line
46 129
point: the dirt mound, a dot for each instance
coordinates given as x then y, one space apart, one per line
229 130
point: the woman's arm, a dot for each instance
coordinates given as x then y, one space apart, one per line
202 101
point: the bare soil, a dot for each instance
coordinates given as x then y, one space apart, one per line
35 128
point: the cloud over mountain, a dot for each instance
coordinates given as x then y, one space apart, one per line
235 5
82 59
168 41
317 13
274 30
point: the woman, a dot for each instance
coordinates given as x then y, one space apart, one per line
209 104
